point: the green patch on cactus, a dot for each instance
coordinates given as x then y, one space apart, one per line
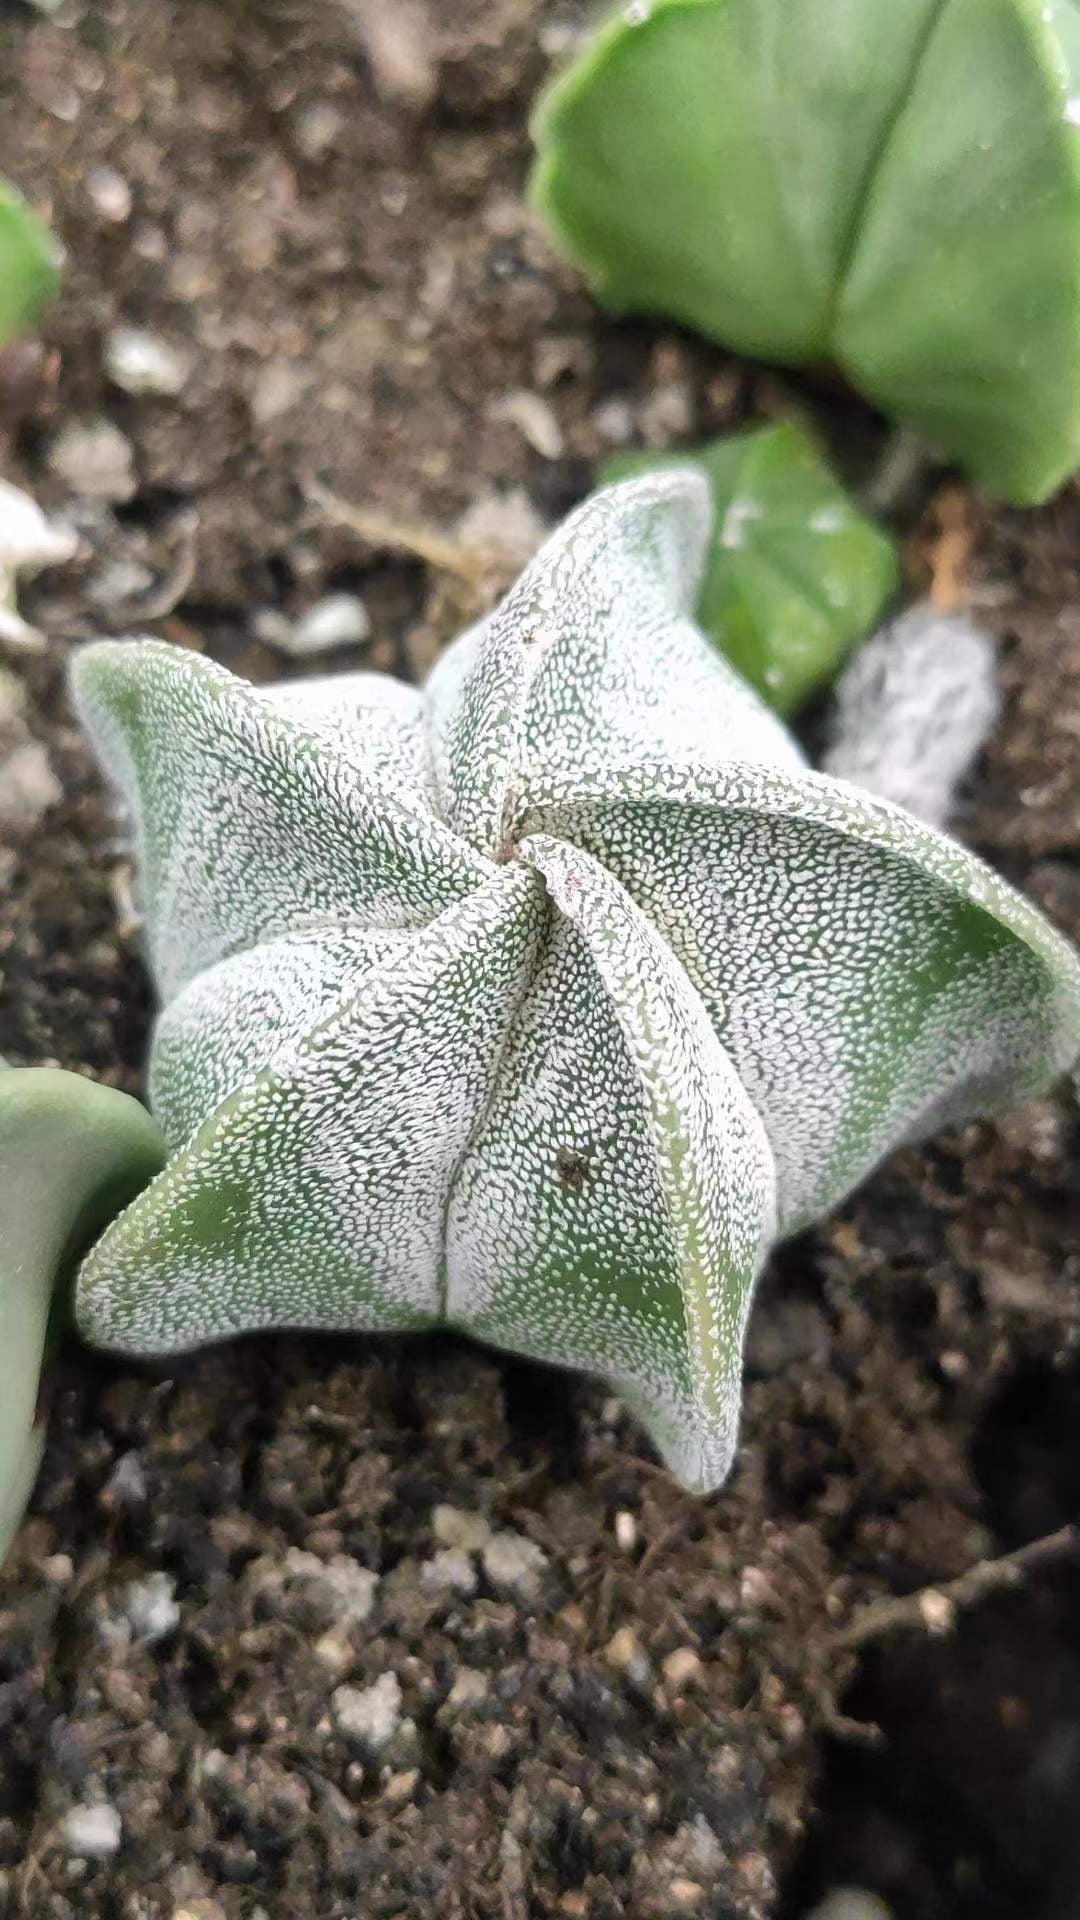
894 189
72 1154
539 1002
29 270
795 575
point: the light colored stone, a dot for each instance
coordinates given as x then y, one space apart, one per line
456 1528
626 1532
369 1715
682 1668
28 787
339 620
470 1689
345 1587
334 1651
95 459
141 362
449 1570
317 128
109 194
91 1832
400 1787
513 1563
625 1653
614 421
150 1607
277 388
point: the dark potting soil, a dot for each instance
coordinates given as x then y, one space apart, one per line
593 1695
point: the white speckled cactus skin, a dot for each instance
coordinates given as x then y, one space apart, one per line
539 1002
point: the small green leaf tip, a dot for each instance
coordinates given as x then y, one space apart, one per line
892 188
72 1154
538 1002
795 575
29 265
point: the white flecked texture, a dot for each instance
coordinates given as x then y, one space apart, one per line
537 1003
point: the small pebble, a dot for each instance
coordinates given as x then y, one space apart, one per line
277 388
369 1715
28 787
400 1787
95 459
91 1832
341 620
456 1528
334 1651
150 1607
346 1589
144 363
685 1895
534 420
470 1688
513 1563
682 1668
399 47
624 1652
317 128
614 421
126 1485
449 1570
625 1532
110 194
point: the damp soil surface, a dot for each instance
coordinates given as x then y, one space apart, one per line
569 1689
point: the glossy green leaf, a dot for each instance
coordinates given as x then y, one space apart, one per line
72 1154
29 271
537 1003
795 575
891 187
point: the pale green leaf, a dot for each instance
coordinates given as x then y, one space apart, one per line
71 1155
893 188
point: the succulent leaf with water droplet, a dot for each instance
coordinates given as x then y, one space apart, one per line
891 188
538 1002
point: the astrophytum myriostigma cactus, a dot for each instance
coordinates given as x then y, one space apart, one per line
539 1002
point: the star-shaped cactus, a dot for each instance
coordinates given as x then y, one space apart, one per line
536 1003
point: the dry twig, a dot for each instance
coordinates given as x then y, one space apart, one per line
933 1610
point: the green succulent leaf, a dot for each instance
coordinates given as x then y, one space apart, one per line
795 575
29 270
894 189
537 1003
72 1154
